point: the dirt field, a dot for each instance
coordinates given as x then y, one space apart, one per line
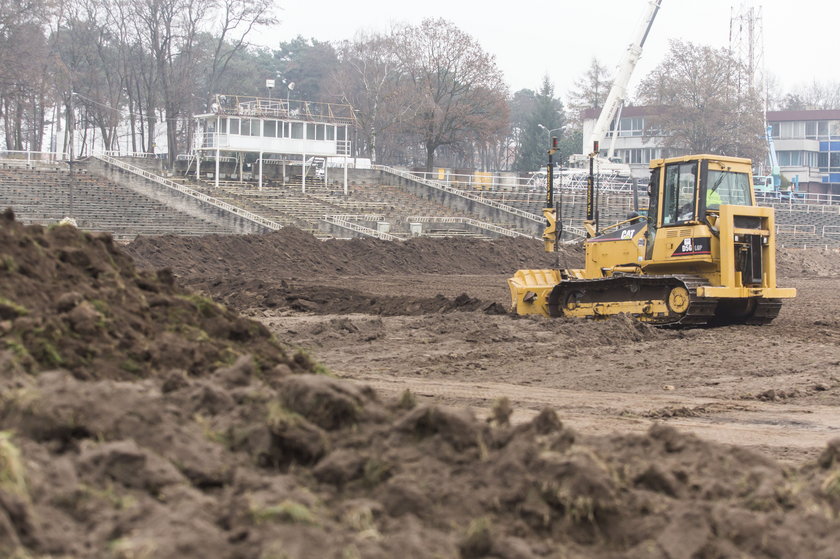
775 388
141 419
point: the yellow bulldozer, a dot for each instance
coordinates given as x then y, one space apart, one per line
703 253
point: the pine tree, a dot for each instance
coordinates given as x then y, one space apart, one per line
547 115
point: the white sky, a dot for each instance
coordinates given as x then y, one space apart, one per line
560 37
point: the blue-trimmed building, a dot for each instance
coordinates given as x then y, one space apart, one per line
807 144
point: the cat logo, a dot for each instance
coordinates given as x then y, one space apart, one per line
627 235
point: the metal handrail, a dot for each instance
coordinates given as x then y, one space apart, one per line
337 220
30 155
221 204
457 192
359 217
798 229
469 221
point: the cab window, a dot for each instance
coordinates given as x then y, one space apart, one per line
679 191
726 187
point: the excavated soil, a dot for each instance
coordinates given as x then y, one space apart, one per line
140 419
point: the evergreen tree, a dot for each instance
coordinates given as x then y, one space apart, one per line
547 115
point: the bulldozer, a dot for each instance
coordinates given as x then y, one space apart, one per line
703 253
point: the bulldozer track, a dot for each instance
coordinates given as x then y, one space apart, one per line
701 311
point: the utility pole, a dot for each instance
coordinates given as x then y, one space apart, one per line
71 125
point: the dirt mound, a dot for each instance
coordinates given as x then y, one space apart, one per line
291 252
251 271
73 300
245 294
793 263
216 448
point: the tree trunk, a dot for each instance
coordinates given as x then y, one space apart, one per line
430 156
171 135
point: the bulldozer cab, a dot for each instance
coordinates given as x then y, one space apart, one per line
683 190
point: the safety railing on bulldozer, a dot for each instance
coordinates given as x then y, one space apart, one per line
195 194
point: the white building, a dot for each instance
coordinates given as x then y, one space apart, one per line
295 136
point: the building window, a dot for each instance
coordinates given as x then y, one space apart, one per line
297 130
270 128
822 160
811 129
341 133
255 127
834 161
310 131
631 126
320 132
331 132
774 129
245 127
786 130
822 129
234 126
223 125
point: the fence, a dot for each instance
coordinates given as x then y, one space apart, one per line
33 156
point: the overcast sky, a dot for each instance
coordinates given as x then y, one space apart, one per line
533 38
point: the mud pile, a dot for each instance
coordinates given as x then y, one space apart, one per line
793 263
291 252
265 271
215 443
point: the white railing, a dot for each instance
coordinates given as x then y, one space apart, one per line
797 229
30 156
133 154
195 194
359 217
457 192
803 207
367 231
471 222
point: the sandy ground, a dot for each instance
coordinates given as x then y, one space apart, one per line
773 388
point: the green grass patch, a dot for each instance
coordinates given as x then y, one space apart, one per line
205 306
12 478
10 309
287 511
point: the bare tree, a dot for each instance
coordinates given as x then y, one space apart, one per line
590 91
456 87
235 20
701 107
24 83
368 78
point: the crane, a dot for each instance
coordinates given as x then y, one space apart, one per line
775 171
618 91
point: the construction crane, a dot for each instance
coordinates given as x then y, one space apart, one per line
618 91
775 171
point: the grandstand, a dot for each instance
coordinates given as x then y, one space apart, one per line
44 196
104 194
